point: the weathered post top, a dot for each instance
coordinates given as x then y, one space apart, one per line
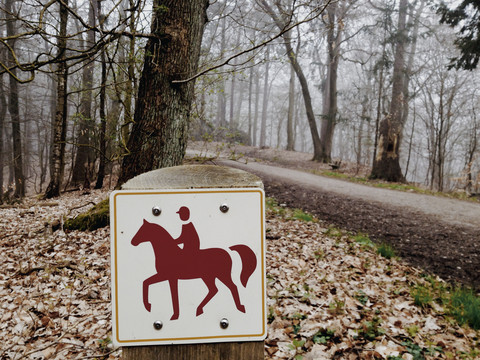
193 177
224 317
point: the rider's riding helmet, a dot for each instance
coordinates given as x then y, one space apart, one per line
184 213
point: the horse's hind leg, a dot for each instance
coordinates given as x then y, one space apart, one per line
227 280
212 290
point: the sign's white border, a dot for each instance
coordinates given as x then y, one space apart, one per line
115 270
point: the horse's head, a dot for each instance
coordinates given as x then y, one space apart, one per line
153 233
145 233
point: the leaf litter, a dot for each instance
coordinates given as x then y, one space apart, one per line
329 297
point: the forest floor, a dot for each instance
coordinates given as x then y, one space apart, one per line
330 295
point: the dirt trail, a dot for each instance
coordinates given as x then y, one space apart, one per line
440 235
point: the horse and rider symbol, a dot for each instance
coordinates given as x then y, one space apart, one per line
174 263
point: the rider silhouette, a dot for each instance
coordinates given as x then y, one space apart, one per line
189 237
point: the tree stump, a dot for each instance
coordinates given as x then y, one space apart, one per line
195 177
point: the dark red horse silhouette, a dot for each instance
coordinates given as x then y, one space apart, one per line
173 264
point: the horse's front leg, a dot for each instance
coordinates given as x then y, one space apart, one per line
146 284
174 292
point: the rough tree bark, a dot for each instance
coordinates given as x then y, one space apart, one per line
162 112
57 155
386 165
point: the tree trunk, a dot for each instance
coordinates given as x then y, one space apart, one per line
317 146
386 165
330 94
57 159
410 143
263 124
222 102
162 112
3 112
381 78
291 110
80 168
103 117
250 95
13 104
130 84
256 110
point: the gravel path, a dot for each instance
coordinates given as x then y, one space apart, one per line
455 212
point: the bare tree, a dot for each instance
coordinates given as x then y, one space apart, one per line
282 19
266 85
102 147
80 167
334 24
386 165
13 102
57 159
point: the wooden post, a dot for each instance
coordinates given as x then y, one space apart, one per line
195 177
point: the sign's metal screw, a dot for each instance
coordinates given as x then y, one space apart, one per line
224 323
157 325
156 211
224 208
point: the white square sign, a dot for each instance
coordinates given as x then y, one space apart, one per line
188 266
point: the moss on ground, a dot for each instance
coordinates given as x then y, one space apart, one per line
95 218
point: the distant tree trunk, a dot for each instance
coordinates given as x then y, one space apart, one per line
239 104
233 83
80 167
317 152
222 102
13 105
263 124
291 110
410 143
250 95
442 122
470 155
256 110
103 117
317 145
360 131
386 165
162 112
130 84
57 159
232 101
329 117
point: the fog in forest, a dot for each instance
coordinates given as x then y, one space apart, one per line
350 81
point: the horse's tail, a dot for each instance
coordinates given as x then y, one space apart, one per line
249 262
